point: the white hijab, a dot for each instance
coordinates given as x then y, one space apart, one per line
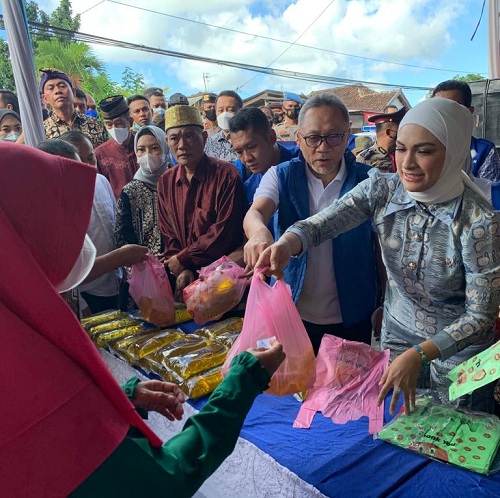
144 176
451 124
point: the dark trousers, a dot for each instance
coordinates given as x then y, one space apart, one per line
100 303
361 332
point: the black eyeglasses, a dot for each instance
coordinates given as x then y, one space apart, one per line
333 140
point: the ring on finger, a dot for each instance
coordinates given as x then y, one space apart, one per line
397 390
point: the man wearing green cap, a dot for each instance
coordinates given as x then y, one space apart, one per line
116 158
200 201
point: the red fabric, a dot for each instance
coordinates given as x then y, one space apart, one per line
62 413
201 220
118 163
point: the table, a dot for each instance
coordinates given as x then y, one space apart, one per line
273 460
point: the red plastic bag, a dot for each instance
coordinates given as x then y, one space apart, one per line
218 289
271 312
151 290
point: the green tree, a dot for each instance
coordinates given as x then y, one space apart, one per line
470 77
132 82
6 76
62 17
80 63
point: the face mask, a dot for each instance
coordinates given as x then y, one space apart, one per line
10 137
92 113
119 134
277 118
210 115
293 113
223 120
137 127
151 163
159 111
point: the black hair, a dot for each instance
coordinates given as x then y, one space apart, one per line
157 92
389 106
9 97
461 86
380 127
135 97
231 93
249 118
80 94
58 147
74 137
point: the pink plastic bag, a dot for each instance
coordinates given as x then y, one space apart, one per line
218 289
346 386
151 290
271 312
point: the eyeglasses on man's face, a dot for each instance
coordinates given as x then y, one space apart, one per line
333 140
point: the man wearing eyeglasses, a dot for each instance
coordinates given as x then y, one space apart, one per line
381 154
333 284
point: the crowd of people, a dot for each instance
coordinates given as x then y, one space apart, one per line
404 229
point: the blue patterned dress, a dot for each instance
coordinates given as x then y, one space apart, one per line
442 261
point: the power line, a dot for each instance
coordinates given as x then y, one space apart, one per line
201 23
290 46
100 40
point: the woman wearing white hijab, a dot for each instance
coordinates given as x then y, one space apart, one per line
440 243
137 213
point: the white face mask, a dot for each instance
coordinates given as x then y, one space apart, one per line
223 120
81 268
10 137
151 163
119 134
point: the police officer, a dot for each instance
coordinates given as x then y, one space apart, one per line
381 153
286 130
208 112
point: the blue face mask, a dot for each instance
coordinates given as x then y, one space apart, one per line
137 127
92 113
159 111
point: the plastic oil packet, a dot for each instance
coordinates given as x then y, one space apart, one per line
208 356
143 347
121 346
466 439
103 339
112 325
103 317
180 346
222 327
202 384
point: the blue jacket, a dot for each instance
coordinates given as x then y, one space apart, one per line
353 252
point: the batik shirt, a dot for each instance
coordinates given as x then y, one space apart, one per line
137 217
442 261
219 146
95 130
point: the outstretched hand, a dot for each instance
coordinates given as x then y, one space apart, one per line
401 376
162 397
271 358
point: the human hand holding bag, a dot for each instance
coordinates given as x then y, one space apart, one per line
270 312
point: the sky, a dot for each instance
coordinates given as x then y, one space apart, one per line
410 42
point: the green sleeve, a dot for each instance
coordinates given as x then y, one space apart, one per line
210 436
129 388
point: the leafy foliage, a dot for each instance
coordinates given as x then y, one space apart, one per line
76 59
132 82
469 77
